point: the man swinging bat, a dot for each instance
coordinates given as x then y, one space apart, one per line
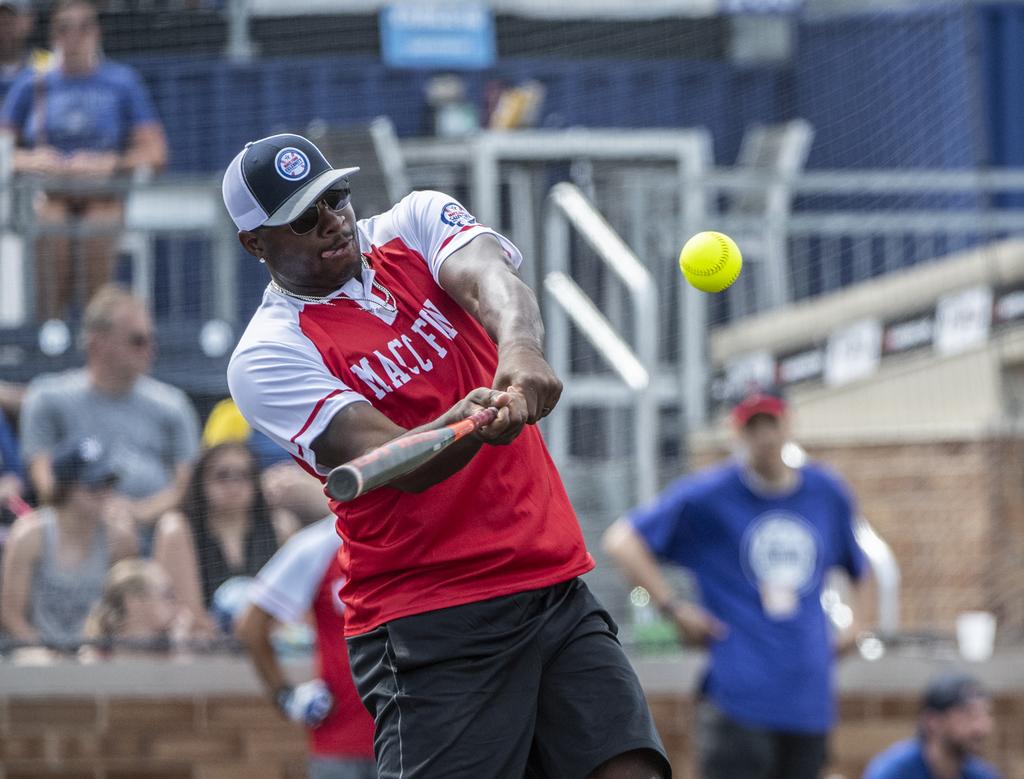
473 643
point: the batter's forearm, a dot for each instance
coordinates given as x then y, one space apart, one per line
440 466
445 463
509 313
358 430
481 280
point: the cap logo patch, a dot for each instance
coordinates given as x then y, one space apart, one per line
291 164
455 215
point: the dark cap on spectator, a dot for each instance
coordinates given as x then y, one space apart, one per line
83 462
758 400
22 6
951 690
273 180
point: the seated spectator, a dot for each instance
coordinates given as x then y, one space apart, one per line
86 125
16 57
285 484
150 427
136 613
224 529
955 723
12 475
56 559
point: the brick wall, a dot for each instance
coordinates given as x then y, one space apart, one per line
236 737
242 737
953 513
869 724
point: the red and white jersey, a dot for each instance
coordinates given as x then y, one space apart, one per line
503 523
303 576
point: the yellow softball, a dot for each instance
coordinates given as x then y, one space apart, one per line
711 261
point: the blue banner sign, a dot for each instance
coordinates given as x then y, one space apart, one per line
428 35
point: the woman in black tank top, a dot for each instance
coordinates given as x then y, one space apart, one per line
224 525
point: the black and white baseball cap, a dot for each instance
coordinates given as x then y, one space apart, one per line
273 180
84 461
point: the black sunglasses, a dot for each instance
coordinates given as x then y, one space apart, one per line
335 199
230 474
84 25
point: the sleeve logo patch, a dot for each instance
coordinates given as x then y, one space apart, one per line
455 215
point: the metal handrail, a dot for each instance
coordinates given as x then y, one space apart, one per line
884 566
887 575
601 333
566 301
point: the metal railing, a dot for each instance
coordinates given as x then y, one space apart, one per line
170 207
491 163
885 220
887 575
637 366
182 207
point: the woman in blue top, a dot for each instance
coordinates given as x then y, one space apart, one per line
81 125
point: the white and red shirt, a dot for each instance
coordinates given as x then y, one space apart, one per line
304 576
503 523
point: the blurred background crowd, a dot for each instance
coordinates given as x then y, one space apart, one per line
868 158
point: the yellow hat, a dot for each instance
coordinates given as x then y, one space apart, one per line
225 423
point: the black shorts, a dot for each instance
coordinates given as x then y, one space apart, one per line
528 685
729 749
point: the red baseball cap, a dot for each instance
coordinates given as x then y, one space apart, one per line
759 400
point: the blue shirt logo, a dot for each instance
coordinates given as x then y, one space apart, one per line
781 551
291 164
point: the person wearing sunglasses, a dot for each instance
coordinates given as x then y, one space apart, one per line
150 427
473 643
84 128
222 529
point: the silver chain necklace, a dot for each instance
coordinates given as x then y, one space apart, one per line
388 304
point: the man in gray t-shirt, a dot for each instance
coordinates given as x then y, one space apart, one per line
150 428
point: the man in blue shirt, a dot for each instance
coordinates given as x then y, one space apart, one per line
956 720
759 537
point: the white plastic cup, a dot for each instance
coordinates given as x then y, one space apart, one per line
975 635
